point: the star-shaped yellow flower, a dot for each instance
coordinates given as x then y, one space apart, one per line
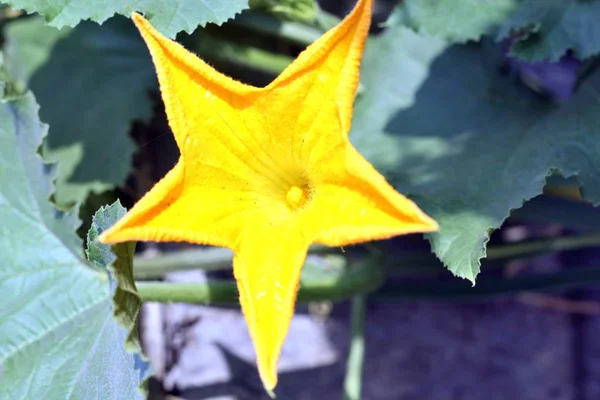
268 171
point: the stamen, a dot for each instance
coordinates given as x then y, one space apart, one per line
296 197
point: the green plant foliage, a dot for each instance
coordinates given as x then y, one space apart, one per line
299 10
454 20
91 82
465 142
119 261
169 17
8 88
546 29
3 76
58 336
29 46
551 27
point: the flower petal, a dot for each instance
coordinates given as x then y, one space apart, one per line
267 267
361 206
328 70
172 211
214 117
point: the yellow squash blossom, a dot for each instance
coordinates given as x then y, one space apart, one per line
266 172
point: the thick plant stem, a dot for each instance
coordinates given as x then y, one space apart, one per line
292 31
567 212
218 50
543 246
363 278
207 259
487 288
354 367
196 293
210 259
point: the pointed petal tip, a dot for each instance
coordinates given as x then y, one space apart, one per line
136 17
429 224
140 21
267 360
105 237
114 234
424 223
268 376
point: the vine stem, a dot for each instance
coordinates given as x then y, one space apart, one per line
207 259
543 246
362 278
354 367
488 288
212 259
292 31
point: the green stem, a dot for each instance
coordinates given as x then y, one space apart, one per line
291 31
569 213
210 259
423 263
543 246
217 50
354 367
207 259
194 293
457 289
213 259
363 278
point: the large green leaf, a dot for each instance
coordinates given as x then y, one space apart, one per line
58 336
455 20
91 82
546 29
551 27
29 45
465 142
169 17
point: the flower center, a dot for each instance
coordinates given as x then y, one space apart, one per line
296 197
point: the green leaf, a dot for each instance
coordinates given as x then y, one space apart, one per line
29 46
58 336
551 27
546 29
454 20
465 142
91 82
119 261
169 17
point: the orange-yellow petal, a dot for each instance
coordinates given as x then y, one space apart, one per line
215 119
361 206
329 68
173 211
267 267
305 113
195 95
